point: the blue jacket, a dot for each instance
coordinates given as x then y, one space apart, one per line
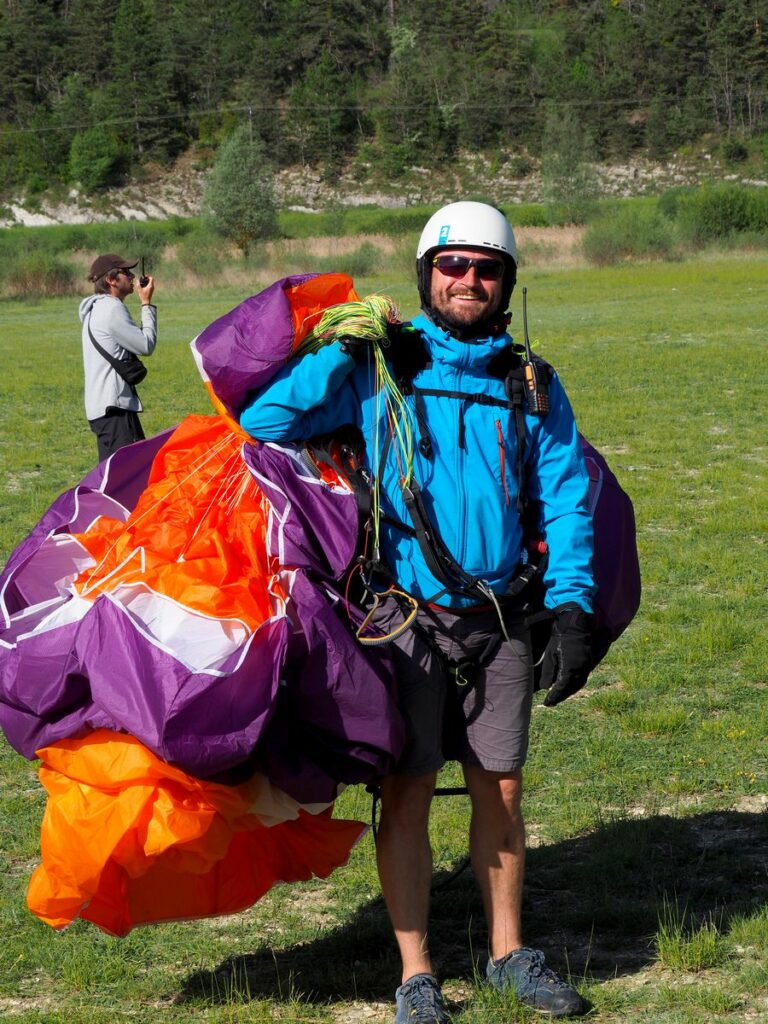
469 489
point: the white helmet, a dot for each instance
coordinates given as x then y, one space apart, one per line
468 224
465 225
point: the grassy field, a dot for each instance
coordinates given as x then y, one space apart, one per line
646 794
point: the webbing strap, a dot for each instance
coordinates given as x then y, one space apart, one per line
477 397
516 389
438 558
425 441
440 561
351 465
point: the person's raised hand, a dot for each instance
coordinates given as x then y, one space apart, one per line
146 291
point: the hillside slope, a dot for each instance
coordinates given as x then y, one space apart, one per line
177 191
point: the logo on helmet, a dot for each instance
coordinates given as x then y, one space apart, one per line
445 232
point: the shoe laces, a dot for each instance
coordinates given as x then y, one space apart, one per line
537 967
423 1001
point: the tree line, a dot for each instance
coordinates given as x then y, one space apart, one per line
91 90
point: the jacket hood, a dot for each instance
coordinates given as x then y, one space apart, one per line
86 305
465 353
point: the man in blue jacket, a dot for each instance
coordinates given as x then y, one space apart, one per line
453 540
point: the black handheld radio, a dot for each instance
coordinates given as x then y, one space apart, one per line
143 279
536 383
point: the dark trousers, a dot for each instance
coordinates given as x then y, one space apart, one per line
116 429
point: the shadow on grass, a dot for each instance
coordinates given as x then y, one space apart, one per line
592 903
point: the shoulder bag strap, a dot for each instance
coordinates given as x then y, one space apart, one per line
113 361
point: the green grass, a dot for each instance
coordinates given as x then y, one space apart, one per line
685 947
645 792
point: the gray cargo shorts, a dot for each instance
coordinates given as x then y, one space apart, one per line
480 717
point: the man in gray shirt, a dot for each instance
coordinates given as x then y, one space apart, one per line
112 406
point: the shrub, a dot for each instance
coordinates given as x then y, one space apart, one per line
734 151
96 159
519 166
569 182
669 200
758 209
716 211
760 145
361 262
335 218
629 233
37 273
74 236
530 215
403 259
199 252
388 222
394 222
134 239
178 227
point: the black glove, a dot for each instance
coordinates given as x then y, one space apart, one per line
568 656
406 351
355 347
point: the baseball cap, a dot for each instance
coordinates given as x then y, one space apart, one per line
109 261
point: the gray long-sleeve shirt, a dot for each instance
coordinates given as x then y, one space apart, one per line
114 329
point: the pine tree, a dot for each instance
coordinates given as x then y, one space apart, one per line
569 182
239 201
142 87
321 115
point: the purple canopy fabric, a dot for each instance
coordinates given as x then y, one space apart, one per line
616 565
244 348
68 666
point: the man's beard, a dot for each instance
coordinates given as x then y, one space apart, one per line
477 326
462 323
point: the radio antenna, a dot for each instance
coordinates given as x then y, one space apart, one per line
526 339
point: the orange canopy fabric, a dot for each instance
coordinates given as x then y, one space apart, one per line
310 299
127 839
182 539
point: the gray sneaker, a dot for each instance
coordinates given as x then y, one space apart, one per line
419 1001
534 984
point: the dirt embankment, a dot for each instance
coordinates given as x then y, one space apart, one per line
178 191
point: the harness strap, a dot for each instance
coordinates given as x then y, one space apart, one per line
440 561
425 441
477 397
516 390
437 557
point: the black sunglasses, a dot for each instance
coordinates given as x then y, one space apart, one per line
453 265
128 273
